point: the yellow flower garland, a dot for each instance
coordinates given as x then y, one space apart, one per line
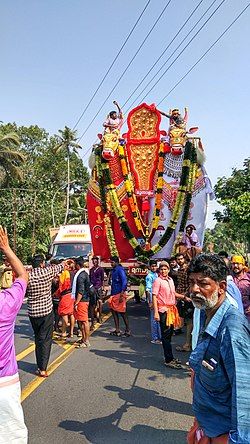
187 171
141 226
110 236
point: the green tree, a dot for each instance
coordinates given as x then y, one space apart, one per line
67 141
234 194
10 157
222 238
26 206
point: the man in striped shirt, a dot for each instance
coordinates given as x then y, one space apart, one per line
40 309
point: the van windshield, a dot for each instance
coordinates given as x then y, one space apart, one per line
71 250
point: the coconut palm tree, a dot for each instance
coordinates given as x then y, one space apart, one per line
10 158
67 141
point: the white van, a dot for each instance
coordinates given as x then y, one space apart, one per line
71 241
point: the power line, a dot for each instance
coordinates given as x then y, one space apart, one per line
183 40
205 53
127 67
162 54
112 64
176 58
199 60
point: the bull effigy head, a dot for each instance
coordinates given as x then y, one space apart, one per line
177 138
110 143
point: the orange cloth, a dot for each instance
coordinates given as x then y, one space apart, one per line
65 281
194 438
66 305
82 312
173 317
116 305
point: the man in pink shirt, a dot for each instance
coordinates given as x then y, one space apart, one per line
12 426
165 311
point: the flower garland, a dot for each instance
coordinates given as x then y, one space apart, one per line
98 160
130 190
112 194
159 189
110 236
131 194
188 198
108 227
190 188
186 181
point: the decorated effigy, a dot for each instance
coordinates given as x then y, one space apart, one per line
147 185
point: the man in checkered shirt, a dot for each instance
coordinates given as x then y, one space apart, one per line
40 309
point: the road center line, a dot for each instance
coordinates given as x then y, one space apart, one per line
25 352
34 384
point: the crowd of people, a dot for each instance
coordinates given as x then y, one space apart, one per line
209 294
238 292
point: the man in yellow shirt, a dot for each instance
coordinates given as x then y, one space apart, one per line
6 275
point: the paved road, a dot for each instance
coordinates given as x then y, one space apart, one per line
118 391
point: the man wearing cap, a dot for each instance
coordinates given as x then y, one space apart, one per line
241 278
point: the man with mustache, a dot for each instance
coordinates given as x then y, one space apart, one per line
220 360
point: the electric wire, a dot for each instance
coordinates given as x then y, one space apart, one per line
199 60
162 54
125 70
205 53
112 64
171 64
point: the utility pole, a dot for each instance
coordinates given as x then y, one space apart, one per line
33 242
14 220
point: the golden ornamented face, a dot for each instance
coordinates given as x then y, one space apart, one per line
110 143
143 124
177 137
142 157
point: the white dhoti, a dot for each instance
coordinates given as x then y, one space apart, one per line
12 426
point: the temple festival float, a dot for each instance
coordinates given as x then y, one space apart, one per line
149 190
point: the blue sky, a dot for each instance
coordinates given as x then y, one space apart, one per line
55 52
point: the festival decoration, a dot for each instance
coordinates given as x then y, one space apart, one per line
130 186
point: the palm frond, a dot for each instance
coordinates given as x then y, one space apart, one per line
59 147
9 139
11 170
14 156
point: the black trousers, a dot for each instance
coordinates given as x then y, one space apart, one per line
43 330
166 336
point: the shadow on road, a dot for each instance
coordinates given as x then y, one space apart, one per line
143 398
23 328
27 367
136 350
106 430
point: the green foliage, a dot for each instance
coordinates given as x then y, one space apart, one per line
26 205
222 238
10 157
234 194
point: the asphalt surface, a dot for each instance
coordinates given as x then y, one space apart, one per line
118 391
